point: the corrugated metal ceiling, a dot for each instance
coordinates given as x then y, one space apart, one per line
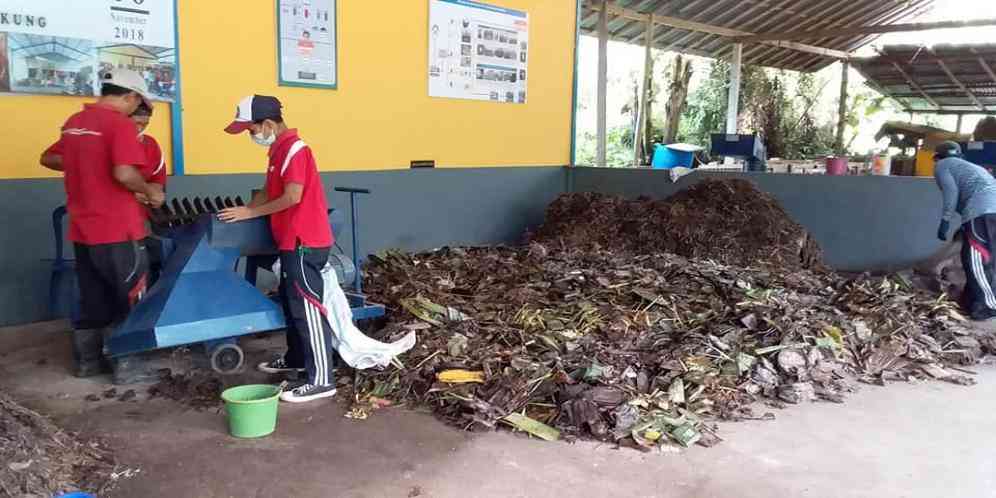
757 17
915 76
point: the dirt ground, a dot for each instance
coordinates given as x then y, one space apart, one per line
910 440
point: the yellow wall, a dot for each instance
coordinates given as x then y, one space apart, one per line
381 117
33 124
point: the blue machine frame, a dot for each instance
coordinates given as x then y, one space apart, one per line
199 297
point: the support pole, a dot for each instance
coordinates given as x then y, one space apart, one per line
641 114
733 104
603 82
958 126
842 108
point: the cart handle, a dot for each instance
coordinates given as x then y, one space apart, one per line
352 190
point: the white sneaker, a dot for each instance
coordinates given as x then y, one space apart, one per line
278 366
307 392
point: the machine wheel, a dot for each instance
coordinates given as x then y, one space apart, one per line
227 359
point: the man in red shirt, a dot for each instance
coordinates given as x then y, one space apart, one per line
294 200
155 162
101 161
155 173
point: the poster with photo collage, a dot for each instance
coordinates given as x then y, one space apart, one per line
478 51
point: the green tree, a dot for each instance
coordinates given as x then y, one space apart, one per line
705 112
618 151
778 104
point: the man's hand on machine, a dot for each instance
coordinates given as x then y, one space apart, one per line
291 196
238 213
154 197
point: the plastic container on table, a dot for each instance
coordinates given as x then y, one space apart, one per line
925 162
881 164
836 166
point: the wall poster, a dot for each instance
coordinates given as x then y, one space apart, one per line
478 51
57 47
307 43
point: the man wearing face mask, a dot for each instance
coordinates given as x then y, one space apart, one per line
102 162
294 200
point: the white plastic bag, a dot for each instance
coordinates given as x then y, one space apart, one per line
358 350
355 348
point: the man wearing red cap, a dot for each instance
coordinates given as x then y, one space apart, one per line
103 166
294 200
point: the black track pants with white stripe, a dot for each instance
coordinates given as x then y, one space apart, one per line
309 337
980 266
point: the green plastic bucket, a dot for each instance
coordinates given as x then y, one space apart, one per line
252 409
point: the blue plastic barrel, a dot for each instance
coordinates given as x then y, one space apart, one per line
667 157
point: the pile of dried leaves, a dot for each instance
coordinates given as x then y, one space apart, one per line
729 221
641 321
643 349
38 459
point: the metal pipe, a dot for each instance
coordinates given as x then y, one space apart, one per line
601 110
356 245
733 101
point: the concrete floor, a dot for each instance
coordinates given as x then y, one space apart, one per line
906 440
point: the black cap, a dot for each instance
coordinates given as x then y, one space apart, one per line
947 149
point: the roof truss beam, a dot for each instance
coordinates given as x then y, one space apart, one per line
840 16
985 65
687 25
960 85
868 30
825 15
914 86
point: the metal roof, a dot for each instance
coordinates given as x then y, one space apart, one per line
54 49
755 17
954 79
158 53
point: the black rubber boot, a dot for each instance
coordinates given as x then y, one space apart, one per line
88 345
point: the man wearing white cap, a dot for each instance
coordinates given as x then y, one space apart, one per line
294 200
103 166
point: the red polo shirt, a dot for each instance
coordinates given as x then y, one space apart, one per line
307 222
101 210
155 162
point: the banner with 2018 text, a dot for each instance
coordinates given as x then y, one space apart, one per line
61 47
